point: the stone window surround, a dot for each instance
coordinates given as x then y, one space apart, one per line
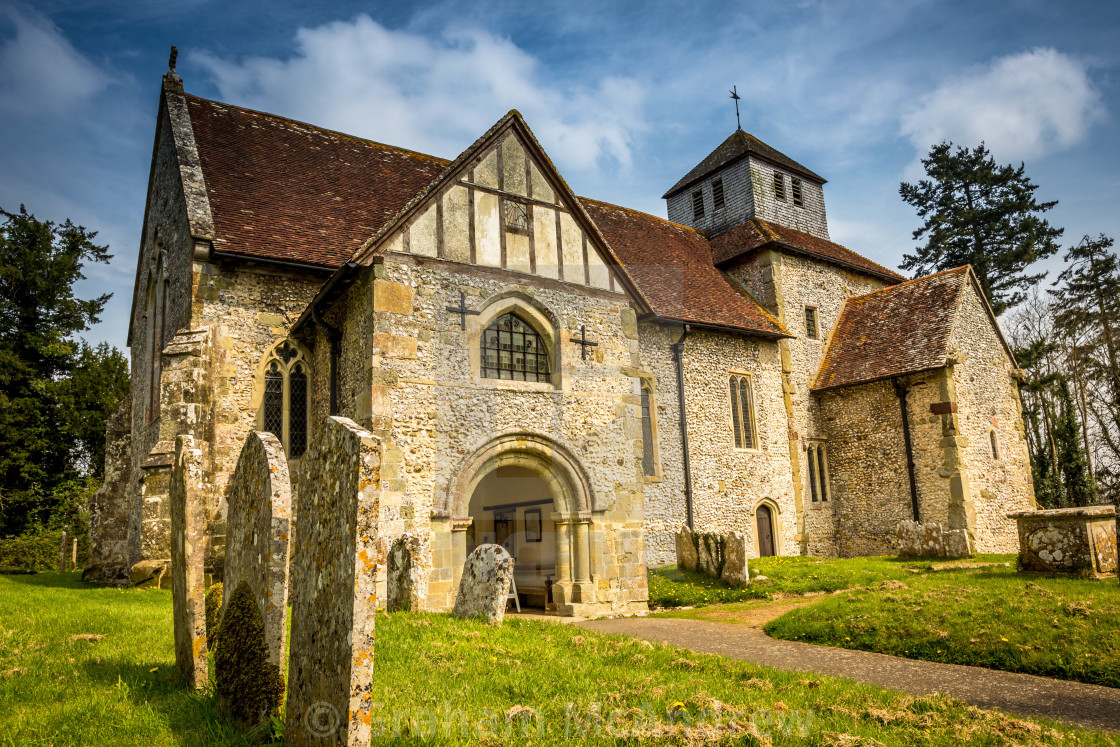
775 525
270 355
817 449
757 448
993 438
533 313
647 381
816 322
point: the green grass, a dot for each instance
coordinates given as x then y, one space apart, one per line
672 587
994 617
446 681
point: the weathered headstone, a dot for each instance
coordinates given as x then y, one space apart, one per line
484 587
735 560
686 550
109 559
931 540
259 506
65 545
333 588
188 537
399 577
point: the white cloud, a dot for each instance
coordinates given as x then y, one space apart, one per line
1023 106
432 94
41 72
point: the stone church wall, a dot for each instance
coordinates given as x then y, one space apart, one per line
988 400
437 411
728 483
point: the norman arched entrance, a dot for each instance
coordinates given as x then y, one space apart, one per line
529 494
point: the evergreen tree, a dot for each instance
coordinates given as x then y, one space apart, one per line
52 389
1087 300
1072 465
981 214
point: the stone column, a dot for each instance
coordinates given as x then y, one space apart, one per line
459 529
582 588
562 589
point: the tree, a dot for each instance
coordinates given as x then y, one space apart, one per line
981 214
55 393
1072 465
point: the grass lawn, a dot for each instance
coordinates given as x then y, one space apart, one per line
992 617
441 680
672 587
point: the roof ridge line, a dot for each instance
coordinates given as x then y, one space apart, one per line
912 281
318 128
696 231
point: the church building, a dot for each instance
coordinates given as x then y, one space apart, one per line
571 379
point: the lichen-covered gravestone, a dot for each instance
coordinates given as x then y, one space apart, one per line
484 588
405 575
686 550
333 588
188 538
258 526
109 507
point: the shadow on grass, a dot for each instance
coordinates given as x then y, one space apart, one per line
51 579
164 692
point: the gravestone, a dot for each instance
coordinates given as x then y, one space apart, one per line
735 570
484 587
399 577
931 540
686 550
258 526
188 538
333 588
109 506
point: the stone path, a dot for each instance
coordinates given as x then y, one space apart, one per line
1092 706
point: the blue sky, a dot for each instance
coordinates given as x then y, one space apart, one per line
625 96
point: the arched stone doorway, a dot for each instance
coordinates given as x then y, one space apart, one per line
766 534
485 490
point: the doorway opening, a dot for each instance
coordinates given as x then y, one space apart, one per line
765 520
512 506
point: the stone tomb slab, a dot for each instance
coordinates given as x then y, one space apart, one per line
258 527
188 549
1068 541
333 588
484 587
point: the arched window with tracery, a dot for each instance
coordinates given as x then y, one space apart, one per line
512 349
285 404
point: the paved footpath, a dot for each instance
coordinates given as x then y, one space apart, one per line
1092 706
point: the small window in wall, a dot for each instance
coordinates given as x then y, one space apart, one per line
511 349
649 464
698 204
286 400
798 199
742 412
818 473
995 444
779 186
717 195
811 330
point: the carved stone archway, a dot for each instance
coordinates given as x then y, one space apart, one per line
573 498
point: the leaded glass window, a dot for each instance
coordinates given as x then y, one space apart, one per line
286 404
742 412
813 474
511 349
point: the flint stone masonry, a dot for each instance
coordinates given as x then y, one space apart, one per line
484 588
188 540
719 556
333 585
109 560
258 529
931 540
1069 541
406 583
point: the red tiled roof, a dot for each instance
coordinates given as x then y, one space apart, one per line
897 330
737 146
757 233
672 266
284 190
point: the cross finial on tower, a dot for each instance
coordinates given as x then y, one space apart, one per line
172 59
735 95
